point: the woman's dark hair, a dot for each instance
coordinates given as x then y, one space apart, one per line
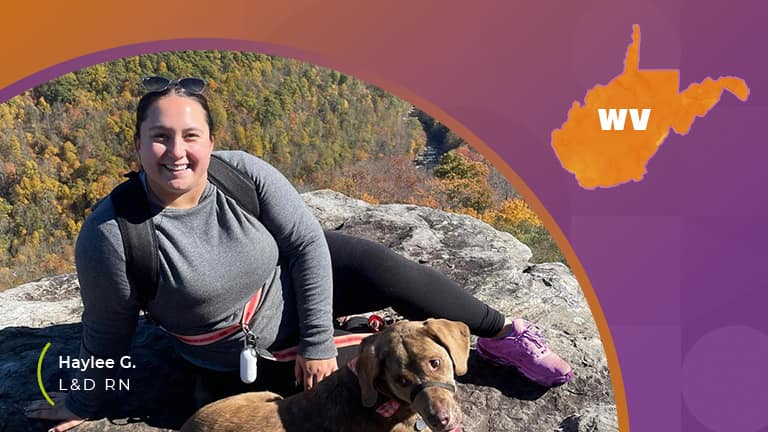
148 99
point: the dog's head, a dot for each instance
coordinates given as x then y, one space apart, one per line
414 363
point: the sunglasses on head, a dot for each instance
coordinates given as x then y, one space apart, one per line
158 84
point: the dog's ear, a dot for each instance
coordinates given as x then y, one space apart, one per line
367 371
454 336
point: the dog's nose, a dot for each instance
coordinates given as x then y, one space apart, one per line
440 418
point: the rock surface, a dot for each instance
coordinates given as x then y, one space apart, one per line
492 265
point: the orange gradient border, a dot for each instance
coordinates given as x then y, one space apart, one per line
37 36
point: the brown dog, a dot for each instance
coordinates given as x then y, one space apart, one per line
403 382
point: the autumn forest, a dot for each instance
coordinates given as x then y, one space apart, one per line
67 143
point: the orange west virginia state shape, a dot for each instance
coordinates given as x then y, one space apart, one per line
601 157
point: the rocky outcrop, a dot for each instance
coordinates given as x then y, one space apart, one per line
492 265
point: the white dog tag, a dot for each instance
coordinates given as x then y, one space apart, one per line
248 359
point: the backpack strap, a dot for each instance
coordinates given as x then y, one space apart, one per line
139 237
235 184
138 231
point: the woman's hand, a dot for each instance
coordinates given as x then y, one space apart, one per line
310 372
41 409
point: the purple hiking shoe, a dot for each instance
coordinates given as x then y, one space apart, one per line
525 348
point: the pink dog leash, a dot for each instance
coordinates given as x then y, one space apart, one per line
208 338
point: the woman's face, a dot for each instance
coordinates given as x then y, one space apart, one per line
175 147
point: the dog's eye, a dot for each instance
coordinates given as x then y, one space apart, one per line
403 381
434 363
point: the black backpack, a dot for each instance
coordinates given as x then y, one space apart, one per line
138 231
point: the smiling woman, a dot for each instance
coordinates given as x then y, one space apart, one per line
231 282
174 144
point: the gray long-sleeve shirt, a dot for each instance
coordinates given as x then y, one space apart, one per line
213 258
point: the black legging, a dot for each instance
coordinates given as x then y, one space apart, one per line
368 277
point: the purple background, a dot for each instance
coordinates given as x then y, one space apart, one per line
675 258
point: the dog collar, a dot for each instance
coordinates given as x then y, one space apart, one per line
425 385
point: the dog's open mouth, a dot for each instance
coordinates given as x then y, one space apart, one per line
453 426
